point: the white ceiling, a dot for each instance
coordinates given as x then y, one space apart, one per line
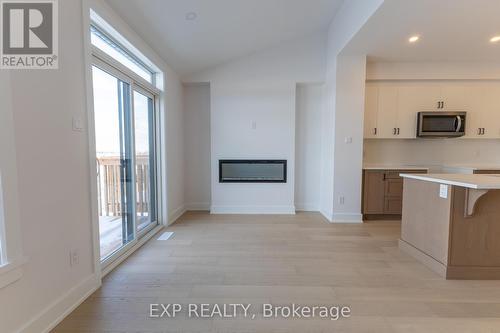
450 30
224 29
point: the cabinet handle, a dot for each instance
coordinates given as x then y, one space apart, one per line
479 131
442 105
439 105
398 130
375 131
484 131
394 131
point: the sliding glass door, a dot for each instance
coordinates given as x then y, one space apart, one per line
145 139
125 137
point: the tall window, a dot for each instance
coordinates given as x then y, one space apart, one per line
125 116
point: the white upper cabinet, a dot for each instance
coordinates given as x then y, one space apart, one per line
483 115
413 98
454 96
392 107
387 112
371 108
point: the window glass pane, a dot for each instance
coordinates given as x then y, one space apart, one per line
113 154
145 160
107 45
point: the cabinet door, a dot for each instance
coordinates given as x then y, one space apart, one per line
387 110
373 192
476 108
455 96
371 110
490 113
393 206
394 187
420 96
413 98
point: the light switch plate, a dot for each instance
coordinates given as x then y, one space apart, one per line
77 124
443 191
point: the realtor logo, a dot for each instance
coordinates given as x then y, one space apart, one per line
29 34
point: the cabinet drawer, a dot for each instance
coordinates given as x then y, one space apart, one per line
486 172
393 205
394 187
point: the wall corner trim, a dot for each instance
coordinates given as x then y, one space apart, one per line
176 214
55 312
327 215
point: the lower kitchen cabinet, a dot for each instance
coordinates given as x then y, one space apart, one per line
383 193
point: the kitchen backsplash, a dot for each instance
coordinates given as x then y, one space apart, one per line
432 152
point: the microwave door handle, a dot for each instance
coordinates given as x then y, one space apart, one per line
459 124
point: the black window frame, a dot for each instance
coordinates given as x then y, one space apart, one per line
240 161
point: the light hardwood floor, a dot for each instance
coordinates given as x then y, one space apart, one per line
282 260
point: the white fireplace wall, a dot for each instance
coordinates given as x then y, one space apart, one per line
252 116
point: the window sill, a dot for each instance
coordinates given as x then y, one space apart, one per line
11 272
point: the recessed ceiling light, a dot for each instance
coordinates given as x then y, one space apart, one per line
495 39
413 39
191 16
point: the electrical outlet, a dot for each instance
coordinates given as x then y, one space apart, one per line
74 257
341 200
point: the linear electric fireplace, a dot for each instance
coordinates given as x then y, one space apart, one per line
252 171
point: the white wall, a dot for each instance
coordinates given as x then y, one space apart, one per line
259 88
53 183
9 217
309 103
348 147
435 152
197 146
54 180
347 22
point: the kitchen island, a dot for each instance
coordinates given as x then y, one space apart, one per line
451 223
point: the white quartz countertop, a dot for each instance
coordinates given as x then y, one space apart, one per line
392 167
478 182
473 167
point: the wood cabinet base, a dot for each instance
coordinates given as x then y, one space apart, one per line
438 231
451 272
381 217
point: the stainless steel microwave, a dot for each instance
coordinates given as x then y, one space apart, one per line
441 124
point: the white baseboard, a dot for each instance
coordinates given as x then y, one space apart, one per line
178 212
306 207
286 210
55 312
347 218
197 206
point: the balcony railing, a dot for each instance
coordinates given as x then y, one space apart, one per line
109 186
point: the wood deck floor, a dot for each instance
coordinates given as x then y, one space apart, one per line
282 260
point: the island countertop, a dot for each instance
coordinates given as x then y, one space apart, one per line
477 182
